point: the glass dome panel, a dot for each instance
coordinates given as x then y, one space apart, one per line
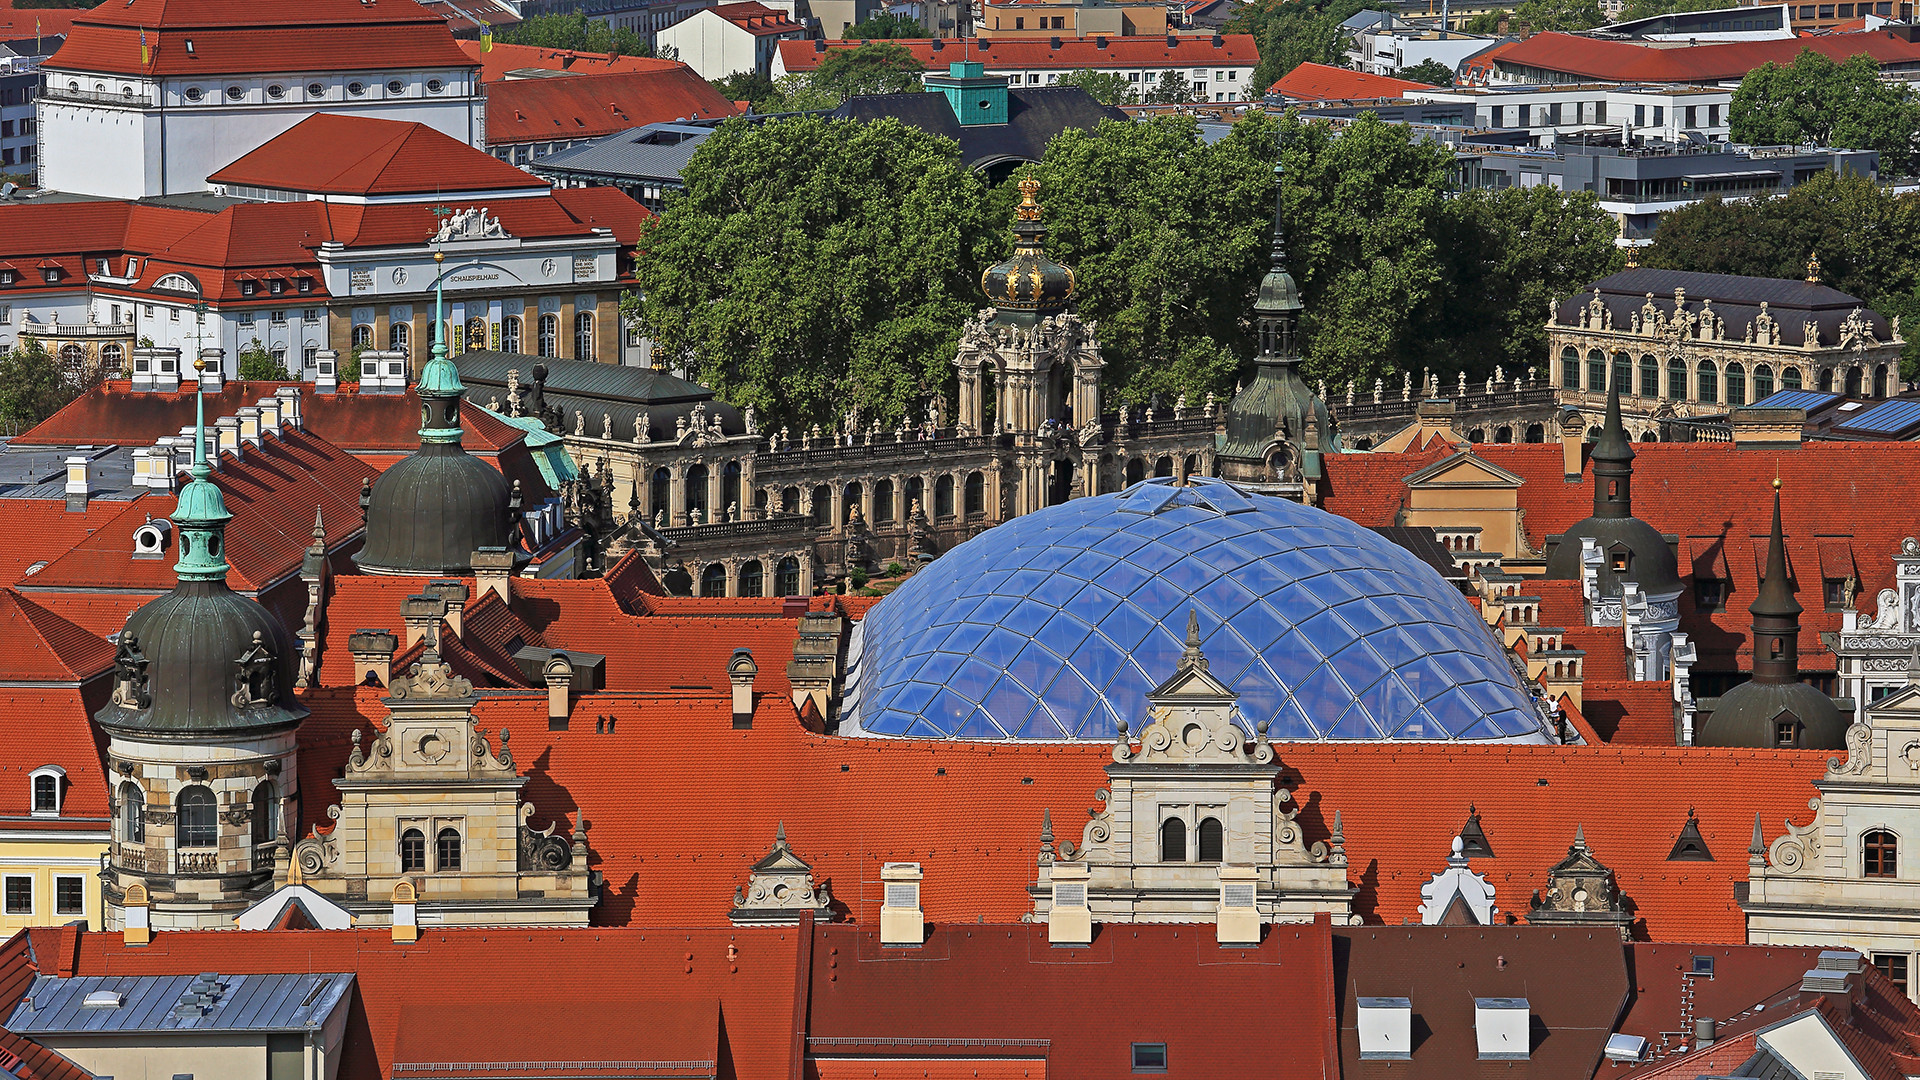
1058 623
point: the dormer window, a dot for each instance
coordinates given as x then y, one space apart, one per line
49 790
51 274
6 277
306 284
276 286
1835 592
248 288
1709 594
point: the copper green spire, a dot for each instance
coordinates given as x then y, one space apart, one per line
201 513
440 388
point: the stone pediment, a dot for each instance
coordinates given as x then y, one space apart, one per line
1190 718
1463 469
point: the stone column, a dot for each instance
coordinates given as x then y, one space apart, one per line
970 410
990 492
677 493
866 500
839 504
733 577
716 490
805 559
900 501
750 506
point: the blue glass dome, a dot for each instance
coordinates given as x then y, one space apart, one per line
1056 624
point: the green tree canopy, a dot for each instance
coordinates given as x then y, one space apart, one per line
812 265
877 67
577 32
1166 234
1293 32
1431 72
1105 87
1816 100
1540 15
258 365
1647 9
748 86
1172 88
883 26
1867 239
31 385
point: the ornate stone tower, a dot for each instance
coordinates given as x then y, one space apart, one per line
1581 892
200 732
1267 421
1044 364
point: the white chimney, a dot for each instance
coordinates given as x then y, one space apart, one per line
1070 920
214 377
142 466
269 415
741 671
901 923
326 371
1386 1028
249 418
77 486
1238 921
290 406
227 436
1501 1028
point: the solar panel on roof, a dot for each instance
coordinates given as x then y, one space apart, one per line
1887 418
1795 399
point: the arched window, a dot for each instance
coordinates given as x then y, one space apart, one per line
583 336
1826 381
976 494
1790 379
510 334
266 814
1736 384
1536 433
110 358
398 335
730 488
362 337
199 826
549 335
1853 382
1762 382
1882 854
446 850
1649 377
46 793
916 493
1137 469
1213 840
1503 433
752 578
1570 368
713 580
1677 379
943 496
133 814
1596 371
850 498
1163 467
413 851
790 500
883 502
1706 378
696 491
787 583
1880 387
1173 840
660 491
1623 372
822 507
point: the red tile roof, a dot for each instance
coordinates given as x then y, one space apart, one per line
1716 498
42 725
236 37
970 812
1005 982
1323 82
17 23
758 19
597 992
54 529
503 58
17 969
588 106
1624 61
1039 53
360 155
1627 713
44 648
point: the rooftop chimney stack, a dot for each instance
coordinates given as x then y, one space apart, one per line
406 913
214 377
1386 1028
226 438
1503 1028
290 406
248 417
136 930
1070 920
422 615
453 592
740 672
372 652
77 485
901 923
493 572
156 370
326 371
1238 921
558 674
269 415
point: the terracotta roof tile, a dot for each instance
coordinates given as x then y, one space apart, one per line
1322 82
504 58
50 726
758 19
588 106
1623 61
1627 713
1038 53
388 157
43 647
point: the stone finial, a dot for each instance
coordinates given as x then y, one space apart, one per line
1757 850
1813 268
1191 658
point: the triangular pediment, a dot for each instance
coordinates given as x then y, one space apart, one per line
1904 700
782 860
1463 470
1191 684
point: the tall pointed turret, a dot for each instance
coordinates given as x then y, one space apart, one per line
1267 420
435 507
1613 464
1629 549
1774 708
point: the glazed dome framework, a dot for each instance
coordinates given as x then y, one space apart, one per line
1056 624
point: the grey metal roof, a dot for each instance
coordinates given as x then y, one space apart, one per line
212 1002
40 472
579 378
631 154
1736 299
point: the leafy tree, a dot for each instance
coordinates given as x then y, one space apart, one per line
1816 100
812 265
258 365
576 32
1167 235
348 370
882 26
1540 15
1293 32
878 67
1171 89
32 387
1647 9
748 86
797 93
1105 87
1431 72
1867 238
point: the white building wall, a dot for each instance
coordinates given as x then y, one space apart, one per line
1235 82
710 45
126 138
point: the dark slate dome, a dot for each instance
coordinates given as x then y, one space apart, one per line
214 661
1027 285
1648 560
435 507
431 511
1751 714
